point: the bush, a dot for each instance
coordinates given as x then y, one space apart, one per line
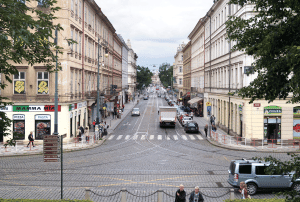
40 200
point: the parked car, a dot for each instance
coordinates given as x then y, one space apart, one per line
191 127
135 112
185 120
253 173
172 103
146 97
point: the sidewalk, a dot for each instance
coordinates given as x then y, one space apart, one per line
68 144
221 139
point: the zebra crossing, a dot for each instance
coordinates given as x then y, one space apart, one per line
155 137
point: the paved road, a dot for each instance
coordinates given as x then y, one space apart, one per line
139 156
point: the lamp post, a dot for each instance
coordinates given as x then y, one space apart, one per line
56 94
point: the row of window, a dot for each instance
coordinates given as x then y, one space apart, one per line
19 82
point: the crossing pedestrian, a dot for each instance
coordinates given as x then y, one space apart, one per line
30 138
196 196
180 194
205 129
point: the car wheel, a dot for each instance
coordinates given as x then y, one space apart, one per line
296 187
251 188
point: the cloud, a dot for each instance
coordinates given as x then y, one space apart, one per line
155 27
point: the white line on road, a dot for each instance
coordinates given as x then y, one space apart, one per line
184 137
175 137
127 137
119 137
111 137
192 137
159 137
135 137
143 137
199 137
168 138
151 137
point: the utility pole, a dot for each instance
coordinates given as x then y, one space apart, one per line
56 96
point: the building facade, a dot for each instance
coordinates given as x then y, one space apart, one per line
187 69
32 90
125 87
178 71
132 73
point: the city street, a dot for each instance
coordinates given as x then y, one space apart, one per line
139 156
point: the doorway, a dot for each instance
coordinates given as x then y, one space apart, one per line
241 125
71 124
272 132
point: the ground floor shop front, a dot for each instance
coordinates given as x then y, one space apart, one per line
39 119
259 120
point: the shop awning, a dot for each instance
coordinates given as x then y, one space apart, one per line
194 100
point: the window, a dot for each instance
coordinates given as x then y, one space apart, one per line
71 84
76 41
79 8
76 83
79 44
42 2
19 83
42 83
245 169
76 8
180 81
71 45
72 5
260 170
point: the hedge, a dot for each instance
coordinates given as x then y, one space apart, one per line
40 200
257 200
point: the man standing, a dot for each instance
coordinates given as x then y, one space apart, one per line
205 129
196 196
180 194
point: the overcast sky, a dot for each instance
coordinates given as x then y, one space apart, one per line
155 27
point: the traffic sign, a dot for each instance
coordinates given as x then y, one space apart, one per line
51 148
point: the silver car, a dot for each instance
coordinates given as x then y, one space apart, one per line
135 112
253 173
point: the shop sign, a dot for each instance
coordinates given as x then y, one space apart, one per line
272 110
75 113
42 117
208 110
241 109
51 108
256 104
71 115
79 112
28 108
79 105
7 108
208 103
75 106
18 117
84 104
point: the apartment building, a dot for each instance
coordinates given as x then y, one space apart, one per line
186 72
178 71
32 90
132 57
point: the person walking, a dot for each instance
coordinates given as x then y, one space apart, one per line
87 133
243 190
180 194
78 133
196 196
31 140
94 123
206 129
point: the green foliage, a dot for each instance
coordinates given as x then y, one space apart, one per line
25 40
40 200
272 38
143 76
257 200
166 74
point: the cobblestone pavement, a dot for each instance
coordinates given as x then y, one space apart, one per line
139 156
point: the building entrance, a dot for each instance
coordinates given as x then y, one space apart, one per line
272 129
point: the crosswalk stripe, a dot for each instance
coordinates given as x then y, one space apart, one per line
159 137
175 137
127 137
119 137
192 137
199 137
184 137
168 138
143 137
111 137
135 137
151 137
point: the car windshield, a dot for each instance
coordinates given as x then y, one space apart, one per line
135 110
192 124
187 118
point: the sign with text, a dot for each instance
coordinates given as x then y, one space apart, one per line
256 104
51 145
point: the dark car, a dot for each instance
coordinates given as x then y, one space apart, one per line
191 127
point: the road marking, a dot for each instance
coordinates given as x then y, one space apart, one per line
111 137
225 158
184 137
135 137
143 137
159 137
192 137
119 137
151 137
168 138
199 137
175 137
127 137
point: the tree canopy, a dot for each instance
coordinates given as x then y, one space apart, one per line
166 74
143 76
27 37
272 38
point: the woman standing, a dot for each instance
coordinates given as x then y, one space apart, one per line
243 190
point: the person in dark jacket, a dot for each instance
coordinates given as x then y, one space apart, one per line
196 196
180 194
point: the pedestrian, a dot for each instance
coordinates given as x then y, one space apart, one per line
211 119
82 130
192 115
78 133
196 196
243 191
180 194
31 140
94 123
87 133
206 129
123 106
116 114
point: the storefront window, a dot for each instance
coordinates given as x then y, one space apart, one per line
19 126
42 126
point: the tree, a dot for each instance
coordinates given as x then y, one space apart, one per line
272 38
166 74
25 39
143 76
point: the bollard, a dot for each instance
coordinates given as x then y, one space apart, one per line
123 195
231 194
159 195
87 194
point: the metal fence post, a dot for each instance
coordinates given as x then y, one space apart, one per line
159 195
231 194
123 195
87 194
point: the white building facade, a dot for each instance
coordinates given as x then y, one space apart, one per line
132 73
125 87
178 71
